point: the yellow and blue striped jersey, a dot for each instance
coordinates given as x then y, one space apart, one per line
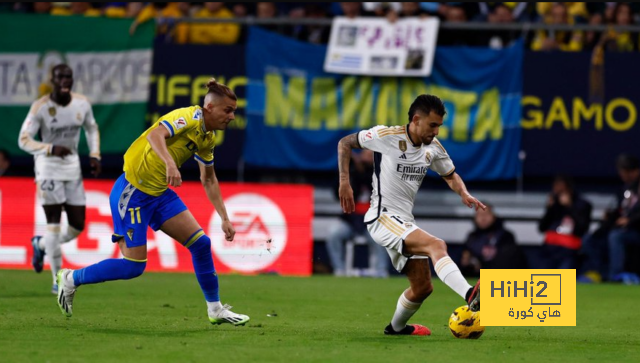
143 167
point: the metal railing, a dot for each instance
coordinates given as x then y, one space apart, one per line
476 26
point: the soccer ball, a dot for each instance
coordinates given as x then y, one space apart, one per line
465 324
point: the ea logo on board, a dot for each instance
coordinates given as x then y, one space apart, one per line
256 219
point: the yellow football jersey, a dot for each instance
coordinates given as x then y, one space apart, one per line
143 167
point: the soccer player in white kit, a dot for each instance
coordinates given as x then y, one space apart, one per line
57 118
402 156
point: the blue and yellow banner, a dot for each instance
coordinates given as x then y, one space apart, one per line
297 113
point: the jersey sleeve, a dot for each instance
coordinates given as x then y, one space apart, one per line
442 163
177 122
92 133
205 155
31 127
370 139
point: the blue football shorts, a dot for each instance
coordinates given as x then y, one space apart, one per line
133 210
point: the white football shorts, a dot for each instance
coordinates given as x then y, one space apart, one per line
389 231
51 192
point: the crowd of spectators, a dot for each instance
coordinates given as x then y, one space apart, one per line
597 13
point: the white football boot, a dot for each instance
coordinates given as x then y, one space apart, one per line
225 315
66 291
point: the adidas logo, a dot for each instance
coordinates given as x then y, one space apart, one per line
403 156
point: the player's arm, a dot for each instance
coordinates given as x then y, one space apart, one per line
457 185
92 133
212 189
157 139
345 145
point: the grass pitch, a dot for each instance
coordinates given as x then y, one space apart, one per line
162 318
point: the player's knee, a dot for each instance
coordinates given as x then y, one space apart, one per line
201 246
133 269
439 246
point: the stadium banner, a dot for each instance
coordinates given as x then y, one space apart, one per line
370 46
277 212
110 67
297 113
593 106
182 84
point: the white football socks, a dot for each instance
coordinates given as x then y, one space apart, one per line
404 311
67 235
450 274
214 306
52 248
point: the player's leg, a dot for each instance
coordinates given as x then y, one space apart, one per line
421 243
49 244
76 220
132 211
184 228
418 272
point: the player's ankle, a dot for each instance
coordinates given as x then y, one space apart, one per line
214 306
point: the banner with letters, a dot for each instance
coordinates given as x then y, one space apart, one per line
577 117
272 223
297 113
375 46
176 84
110 67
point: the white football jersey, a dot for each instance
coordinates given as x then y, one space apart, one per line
59 125
399 168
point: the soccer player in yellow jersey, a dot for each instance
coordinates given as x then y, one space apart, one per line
140 198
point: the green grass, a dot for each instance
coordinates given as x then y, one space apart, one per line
162 318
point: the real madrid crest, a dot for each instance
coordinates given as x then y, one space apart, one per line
402 144
428 156
52 111
79 116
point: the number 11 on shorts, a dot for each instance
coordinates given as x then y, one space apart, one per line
135 212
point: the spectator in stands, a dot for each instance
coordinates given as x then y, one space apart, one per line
548 40
599 264
454 14
354 10
490 245
122 9
83 8
501 14
5 162
621 41
381 8
351 225
567 218
214 33
316 34
576 11
166 27
624 235
268 10
592 38
519 11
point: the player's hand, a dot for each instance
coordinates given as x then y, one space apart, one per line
229 231
470 201
346 198
96 166
173 176
60 151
